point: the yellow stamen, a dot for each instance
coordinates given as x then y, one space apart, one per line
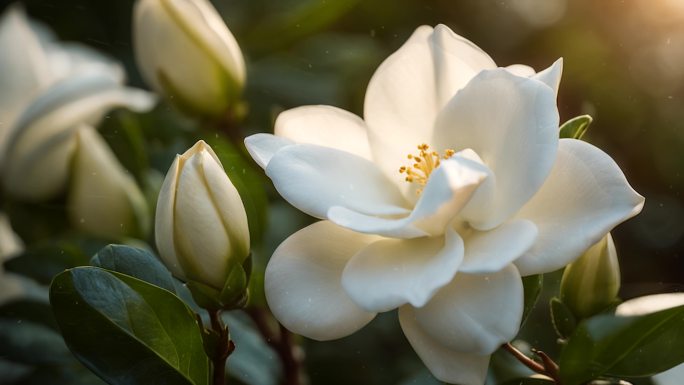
425 163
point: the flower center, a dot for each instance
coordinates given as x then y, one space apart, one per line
425 162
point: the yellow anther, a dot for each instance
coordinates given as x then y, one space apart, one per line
425 163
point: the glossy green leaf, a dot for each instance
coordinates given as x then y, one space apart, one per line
564 321
532 286
576 127
624 346
128 331
135 262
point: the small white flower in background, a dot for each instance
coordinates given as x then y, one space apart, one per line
200 226
453 185
13 286
49 90
104 199
591 283
10 243
186 52
651 304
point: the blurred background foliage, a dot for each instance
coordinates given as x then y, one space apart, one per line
623 64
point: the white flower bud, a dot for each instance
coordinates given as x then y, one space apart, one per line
591 283
185 51
201 224
104 199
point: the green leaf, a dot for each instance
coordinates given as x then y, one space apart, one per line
128 331
576 127
532 286
135 262
31 343
528 381
564 321
609 345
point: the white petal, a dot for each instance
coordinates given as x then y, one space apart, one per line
584 197
674 376
449 188
303 282
512 124
164 220
315 178
49 122
552 75
490 251
25 69
228 203
411 86
475 313
650 304
390 273
445 364
10 243
202 242
325 126
262 147
521 70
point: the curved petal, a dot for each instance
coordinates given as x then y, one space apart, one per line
649 304
672 376
392 272
315 178
447 191
195 209
475 313
50 121
585 196
491 251
512 124
445 364
521 70
552 75
164 219
325 126
303 282
411 86
262 147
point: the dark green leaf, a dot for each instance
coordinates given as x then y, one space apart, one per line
576 127
533 287
564 321
128 331
135 262
31 343
624 346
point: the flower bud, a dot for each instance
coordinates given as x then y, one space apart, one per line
104 199
186 52
591 283
201 228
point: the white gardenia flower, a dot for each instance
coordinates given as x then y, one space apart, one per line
651 304
49 90
201 224
444 238
104 199
186 52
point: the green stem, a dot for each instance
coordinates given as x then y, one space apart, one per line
223 350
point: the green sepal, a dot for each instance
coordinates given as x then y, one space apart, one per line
576 127
234 294
205 296
564 322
